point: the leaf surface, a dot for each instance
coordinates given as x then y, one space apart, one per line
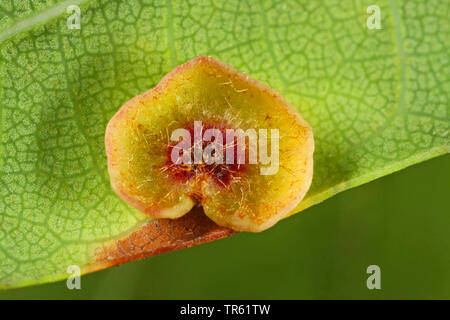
377 100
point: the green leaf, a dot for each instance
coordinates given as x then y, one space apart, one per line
378 101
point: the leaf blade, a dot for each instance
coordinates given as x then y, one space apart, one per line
358 88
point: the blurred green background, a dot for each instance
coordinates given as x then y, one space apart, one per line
400 222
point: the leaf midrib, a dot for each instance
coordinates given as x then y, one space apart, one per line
398 40
40 18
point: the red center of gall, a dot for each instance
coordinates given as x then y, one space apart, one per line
221 173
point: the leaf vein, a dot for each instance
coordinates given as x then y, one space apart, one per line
37 19
170 33
269 44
